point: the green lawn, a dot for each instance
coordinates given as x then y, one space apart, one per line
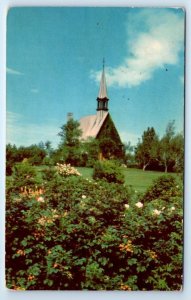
138 179
86 172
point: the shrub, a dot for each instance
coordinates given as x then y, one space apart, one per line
108 170
164 188
49 173
93 235
24 175
47 161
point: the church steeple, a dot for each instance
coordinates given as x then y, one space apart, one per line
102 99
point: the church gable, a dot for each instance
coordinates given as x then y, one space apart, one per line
91 125
109 140
108 129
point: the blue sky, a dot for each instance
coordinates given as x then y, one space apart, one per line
54 60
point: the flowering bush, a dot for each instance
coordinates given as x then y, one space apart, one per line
92 235
66 170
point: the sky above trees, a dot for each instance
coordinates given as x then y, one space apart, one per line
54 63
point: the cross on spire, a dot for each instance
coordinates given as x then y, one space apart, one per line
103 63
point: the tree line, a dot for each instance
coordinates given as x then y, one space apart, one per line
150 153
165 154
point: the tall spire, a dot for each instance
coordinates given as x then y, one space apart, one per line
102 96
103 89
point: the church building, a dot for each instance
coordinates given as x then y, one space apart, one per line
101 126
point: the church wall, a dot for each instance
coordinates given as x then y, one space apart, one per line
110 142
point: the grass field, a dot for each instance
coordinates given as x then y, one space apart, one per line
138 179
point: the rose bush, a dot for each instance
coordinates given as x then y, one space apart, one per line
92 235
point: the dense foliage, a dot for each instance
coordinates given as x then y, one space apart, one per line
24 175
146 150
71 233
34 154
150 153
78 152
108 170
165 154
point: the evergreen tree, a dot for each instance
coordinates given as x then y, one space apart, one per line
70 133
69 147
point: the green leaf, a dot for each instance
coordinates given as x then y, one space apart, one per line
49 282
132 261
24 243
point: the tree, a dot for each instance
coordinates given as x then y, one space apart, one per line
69 147
41 145
24 175
129 154
146 150
171 149
89 152
178 152
11 158
70 134
48 148
34 153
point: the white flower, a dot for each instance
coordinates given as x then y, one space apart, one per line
172 208
139 204
67 170
156 212
40 199
126 206
83 196
163 207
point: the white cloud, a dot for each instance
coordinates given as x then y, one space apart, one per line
154 39
19 132
13 72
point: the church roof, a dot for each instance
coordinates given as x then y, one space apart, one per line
103 89
91 125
